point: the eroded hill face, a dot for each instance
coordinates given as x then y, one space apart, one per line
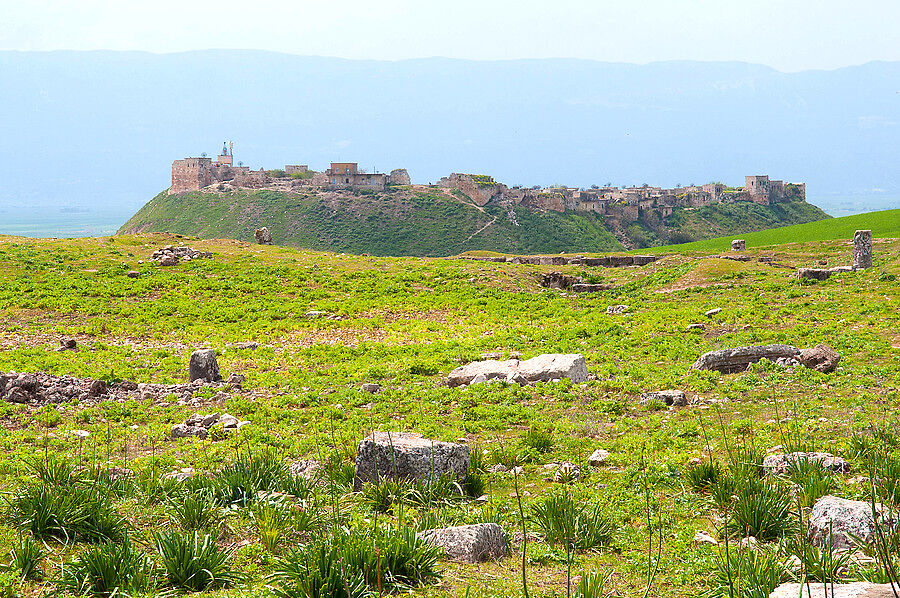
308 329
426 221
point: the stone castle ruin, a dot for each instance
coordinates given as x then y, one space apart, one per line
625 204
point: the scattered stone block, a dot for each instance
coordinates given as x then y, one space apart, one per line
262 236
713 312
552 260
203 366
738 245
862 249
858 589
469 543
643 260
704 538
558 280
667 397
306 468
598 457
619 261
695 327
543 368
371 387
821 358
616 309
132 274
738 359
583 287
780 464
407 456
813 274
844 519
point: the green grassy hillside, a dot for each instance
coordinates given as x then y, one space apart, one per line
885 223
433 223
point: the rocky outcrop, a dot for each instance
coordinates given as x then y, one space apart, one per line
738 359
170 256
203 366
821 358
407 456
844 519
399 176
859 589
262 236
738 245
543 368
558 280
469 543
198 425
667 397
781 464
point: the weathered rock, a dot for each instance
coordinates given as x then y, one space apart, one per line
558 280
813 274
736 360
844 519
704 538
713 312
236 379
469 543
132 274
543 368
407 456
858 589
821 358
738 245
616 309
306 468
69 344
371 387
643 260
498 468
262 236
862 249
618 261
779 464
168 260
98 387
667 397
183 430
698 327
598 458
203 366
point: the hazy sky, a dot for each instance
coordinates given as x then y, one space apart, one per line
789 35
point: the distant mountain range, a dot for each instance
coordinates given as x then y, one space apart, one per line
99 130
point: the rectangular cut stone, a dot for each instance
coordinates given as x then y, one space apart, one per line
859 589
736 360
862 249
469 543
407 456
550 366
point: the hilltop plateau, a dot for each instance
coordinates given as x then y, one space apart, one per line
428 221
242 482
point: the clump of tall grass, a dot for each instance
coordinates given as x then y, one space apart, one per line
538 439
814 481
591 585
567 522
26 559
475 482
194 562
747 574
354 563
385 494
108 570
78 512
195 510
703 475
762 509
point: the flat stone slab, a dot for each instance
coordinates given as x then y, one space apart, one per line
469 543
843 519
859 589
408 456
780 464
738 359
543 368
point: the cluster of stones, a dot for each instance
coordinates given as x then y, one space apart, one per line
199 425
607 261
576 284
862 259
543 368
411 457
43 389
821 358
170 256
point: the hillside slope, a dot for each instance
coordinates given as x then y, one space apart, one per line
883 224
406 221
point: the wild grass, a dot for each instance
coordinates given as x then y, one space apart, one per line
194 562
566 521
26 559
108 570
747 574
79 512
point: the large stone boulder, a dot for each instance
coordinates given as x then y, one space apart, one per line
738 359
469 543
203 366
543 368
844 519
262 236
780 464
821 358
858 589
407 456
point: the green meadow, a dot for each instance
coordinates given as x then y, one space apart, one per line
243 525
